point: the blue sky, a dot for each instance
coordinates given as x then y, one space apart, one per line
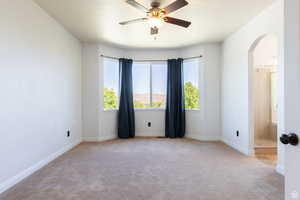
191 71
141 78
111 74
159 78
141 75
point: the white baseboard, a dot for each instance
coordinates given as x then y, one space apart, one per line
27 172
150 134
99 139
251 152
90 139
107 137
237 147
207 138
280 169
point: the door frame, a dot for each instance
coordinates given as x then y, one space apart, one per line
292 95
251 110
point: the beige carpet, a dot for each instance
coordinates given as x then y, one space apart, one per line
152 169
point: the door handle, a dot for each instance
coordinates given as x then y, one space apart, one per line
291 138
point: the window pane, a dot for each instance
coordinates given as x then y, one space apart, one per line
191 83
159 85
141 85
111 83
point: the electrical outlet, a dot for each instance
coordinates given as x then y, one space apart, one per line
237 133
68 133
149 124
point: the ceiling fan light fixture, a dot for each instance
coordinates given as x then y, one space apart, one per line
156 16
155 22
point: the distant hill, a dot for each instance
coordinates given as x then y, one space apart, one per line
145 98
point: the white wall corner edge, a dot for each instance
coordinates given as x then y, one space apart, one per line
90 139
240 148
107 137
100 138
280 169
29 171
208 138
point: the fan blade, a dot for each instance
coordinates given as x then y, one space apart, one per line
178 22
154 30
134 21
137 5
175 6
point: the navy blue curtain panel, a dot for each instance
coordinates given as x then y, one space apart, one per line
175 108
126 119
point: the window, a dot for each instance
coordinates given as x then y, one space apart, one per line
149 84
191 84
141 85
159 85
111 83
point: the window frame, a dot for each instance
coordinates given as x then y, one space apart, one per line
200 86
103 85
200 83
151 63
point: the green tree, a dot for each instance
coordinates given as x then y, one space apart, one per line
110 99
138 104
157 104
191 93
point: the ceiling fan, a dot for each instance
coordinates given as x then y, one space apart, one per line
156 16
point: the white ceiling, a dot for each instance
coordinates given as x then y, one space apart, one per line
98 21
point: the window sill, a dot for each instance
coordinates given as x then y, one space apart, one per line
193 110
150 109
139 109
113 110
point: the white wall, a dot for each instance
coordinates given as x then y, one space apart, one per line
266 52
90 94
209 126
235 78
204 125
40 84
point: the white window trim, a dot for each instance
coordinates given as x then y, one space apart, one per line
102 95
200 86
151 86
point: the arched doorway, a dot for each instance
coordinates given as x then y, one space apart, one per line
263 70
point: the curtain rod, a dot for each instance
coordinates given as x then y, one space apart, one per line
188 58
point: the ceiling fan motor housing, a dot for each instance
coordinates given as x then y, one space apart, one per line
155 4
156 16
